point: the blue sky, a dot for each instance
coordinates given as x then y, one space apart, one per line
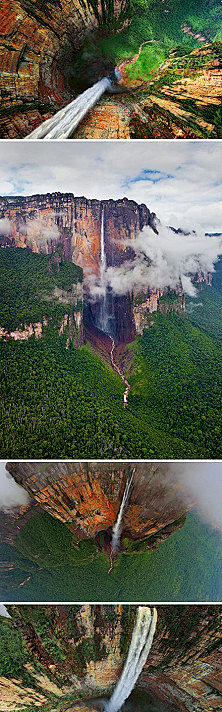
179 180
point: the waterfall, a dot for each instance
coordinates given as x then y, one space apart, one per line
118 524
140 645
105 319
64 122
3 611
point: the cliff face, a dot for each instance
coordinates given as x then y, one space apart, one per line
42 222
87 496
37 43
76 224
75 653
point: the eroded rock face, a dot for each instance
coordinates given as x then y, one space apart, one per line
87 496
77 226
76 653
181 101
41 222
37 43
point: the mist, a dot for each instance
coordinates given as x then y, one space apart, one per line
11 494
42 231
5 227
163 260
203 482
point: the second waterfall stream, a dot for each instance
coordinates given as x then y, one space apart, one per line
141 641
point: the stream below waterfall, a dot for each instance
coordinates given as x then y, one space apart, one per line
121 374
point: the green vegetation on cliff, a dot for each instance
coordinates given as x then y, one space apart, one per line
163 25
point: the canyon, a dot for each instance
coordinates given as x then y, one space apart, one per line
69 656
38 44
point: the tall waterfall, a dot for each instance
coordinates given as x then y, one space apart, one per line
64 122
116 533
3 611
104 317
142 638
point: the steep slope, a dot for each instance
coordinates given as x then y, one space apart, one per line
182 99
59 655
38 41
51 51
87 497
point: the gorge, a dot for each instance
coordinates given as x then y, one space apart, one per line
170 60
67 657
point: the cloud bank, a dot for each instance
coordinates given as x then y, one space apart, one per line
203 482
11 494
180 181
163 260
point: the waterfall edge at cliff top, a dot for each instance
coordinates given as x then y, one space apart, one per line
63 124
141 641
117 527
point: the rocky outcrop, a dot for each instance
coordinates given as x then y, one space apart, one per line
87 496
24 333
76 653
164 301
183 99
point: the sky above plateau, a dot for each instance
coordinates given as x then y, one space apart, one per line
179 180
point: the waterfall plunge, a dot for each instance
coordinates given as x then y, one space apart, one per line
142 638
118 524
64 122
103 319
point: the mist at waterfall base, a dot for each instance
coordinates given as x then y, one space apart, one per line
11 494
161 260
140 645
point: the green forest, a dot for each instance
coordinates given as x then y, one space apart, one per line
149 21
27 284
186 566
70 401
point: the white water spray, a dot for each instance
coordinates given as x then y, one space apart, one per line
142 638
64 122
103 321
3 611
117 528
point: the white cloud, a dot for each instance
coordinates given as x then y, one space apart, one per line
161 261
11 494
113 169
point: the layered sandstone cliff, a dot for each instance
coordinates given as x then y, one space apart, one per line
87 496
37 43
71 654
74 222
